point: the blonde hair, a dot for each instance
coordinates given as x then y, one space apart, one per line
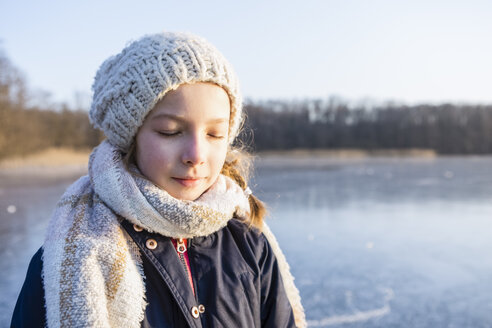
238 167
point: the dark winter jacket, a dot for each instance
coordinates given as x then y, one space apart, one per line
235 275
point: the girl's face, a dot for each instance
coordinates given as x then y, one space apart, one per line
182 144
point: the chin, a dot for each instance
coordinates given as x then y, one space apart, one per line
190 195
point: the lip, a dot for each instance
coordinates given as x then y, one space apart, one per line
188 181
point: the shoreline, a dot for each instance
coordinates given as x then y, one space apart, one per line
50 166
349 153
39 176
64 158
60 163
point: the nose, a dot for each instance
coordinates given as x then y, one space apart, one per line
194 152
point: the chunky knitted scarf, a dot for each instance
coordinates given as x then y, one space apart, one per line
92 271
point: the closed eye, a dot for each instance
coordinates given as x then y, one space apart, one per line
216 136
169 133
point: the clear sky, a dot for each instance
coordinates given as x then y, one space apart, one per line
409 51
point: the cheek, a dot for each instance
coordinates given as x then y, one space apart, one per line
152 154
218 158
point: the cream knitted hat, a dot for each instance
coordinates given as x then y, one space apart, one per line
127 86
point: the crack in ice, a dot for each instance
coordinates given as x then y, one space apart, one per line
357 316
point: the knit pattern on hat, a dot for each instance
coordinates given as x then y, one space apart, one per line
127 86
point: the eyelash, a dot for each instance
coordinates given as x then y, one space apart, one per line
169 134
173 134
216 137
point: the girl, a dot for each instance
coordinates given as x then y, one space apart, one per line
163 232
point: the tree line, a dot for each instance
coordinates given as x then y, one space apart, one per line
317 124
27 127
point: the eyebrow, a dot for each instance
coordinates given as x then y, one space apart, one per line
183 120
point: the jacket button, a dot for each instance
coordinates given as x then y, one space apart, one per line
151 244
194 312
137 228
201 308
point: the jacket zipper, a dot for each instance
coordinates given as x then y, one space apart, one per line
181 249
193 282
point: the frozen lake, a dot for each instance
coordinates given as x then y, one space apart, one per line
376 242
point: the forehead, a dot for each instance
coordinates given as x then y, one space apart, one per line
194 102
